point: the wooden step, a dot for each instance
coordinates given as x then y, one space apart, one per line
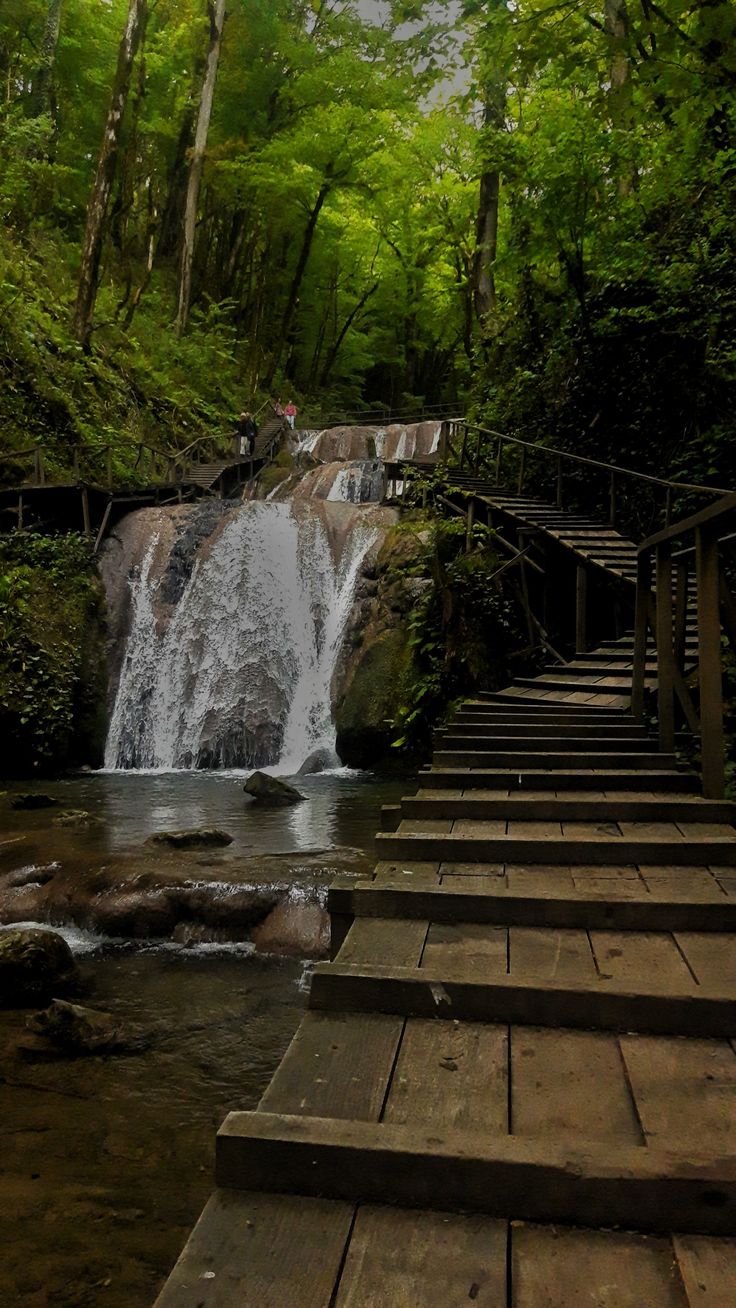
558 850
493 903
521 760
626 743
561 779
566 1181
469 729
466 993
607 808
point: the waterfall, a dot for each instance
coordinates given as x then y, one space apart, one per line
237 671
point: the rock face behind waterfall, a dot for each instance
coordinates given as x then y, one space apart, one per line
242 634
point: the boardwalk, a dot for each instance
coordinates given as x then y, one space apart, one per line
515 1084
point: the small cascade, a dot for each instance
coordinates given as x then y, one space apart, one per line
391 443
237 671
360 481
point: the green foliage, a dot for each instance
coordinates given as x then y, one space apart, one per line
462 630
51 658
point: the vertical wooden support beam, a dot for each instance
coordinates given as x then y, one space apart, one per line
709 661
85 512
442 449
581 607
665 650
109 467
668 507
643 588
470 520
20 510
499 452
522 468
612 500
464 445
680 614
37 467
558 496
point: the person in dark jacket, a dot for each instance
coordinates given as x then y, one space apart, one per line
247 429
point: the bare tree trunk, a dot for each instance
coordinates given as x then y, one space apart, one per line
216 14
286 335
89 269
337 346
616 25
486 230
42 99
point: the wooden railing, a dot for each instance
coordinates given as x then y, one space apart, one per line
511 459
690 551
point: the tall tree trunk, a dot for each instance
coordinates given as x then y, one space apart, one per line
337 346
42 99
616 25
89 270
216 14
286 335
486 228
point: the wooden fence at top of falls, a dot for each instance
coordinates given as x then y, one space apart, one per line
97 489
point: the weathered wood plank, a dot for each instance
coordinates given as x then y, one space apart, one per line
478 944
708 1269
545 952
557 1268
711 957
570 1083
401 1259
451 1075
685 1092
384 940
337 1066
260 1251
633 956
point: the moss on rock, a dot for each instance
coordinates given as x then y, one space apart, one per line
364 715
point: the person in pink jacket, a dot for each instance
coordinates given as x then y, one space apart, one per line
291 412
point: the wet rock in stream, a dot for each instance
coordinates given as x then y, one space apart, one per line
34 964
75 1030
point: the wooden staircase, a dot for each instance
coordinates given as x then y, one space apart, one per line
515 1084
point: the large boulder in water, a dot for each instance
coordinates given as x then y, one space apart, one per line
318 761
271 792
193 838
32 801
295 927
34 964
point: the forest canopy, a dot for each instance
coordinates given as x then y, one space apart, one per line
522 208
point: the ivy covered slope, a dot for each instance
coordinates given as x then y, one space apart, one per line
52 654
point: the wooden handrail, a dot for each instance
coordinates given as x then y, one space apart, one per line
666 619
598 463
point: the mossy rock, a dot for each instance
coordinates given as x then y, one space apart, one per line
369 703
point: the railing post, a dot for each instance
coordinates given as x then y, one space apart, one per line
464 445
668 507
522 468
109 467
558 496
581 606
680 615
612 500
709 662
665 652
498 461
477 452
85 512
638 673
470 522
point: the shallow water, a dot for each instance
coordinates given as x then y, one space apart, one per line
106 1162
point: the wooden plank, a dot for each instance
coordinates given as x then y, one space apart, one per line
451 1075
711 957
693 883
260 1251
708 1270
469 994
384 940
476 944
565 850
685 1092
401 1259
535 1180
565 954
633 956
336 1066
554 1268
570 1083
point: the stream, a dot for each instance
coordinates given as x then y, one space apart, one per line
107 1161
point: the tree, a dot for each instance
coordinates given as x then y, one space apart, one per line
42 99
216 18
89 269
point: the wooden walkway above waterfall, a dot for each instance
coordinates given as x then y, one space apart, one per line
515 1083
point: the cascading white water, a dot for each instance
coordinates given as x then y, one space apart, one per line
240 674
